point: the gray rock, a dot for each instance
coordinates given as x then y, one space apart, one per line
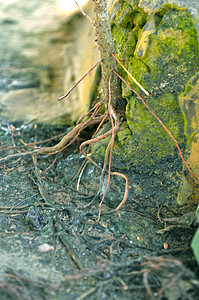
42 54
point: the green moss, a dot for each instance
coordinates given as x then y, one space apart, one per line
190 108
133 3
132 40
139 18
121 37
170 59
142 139
147 133
124 17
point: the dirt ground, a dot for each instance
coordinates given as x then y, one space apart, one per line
53 248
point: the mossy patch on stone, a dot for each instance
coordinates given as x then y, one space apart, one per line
163 62
190 108
168 61
126 26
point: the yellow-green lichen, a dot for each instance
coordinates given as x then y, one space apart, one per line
142 45
167 64
126 27
169 60
151 139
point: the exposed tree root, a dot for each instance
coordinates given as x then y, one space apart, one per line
94 118
67 140
115 125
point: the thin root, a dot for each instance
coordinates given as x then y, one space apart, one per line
84 14
74 86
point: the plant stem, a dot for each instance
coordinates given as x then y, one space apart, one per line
106 46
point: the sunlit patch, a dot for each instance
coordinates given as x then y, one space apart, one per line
69 6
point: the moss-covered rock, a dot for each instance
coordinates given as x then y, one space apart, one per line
190 107
160 49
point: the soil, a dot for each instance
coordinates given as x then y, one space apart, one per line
53 248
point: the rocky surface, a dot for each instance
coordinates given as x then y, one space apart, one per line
157 42
43 53
40 204
190 107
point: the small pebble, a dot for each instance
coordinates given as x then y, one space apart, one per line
45 247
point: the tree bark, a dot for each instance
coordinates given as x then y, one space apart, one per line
106 46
